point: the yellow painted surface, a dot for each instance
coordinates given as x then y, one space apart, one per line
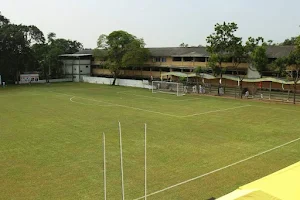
284 184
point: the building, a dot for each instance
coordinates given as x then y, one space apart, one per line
30 77
165 59
77 65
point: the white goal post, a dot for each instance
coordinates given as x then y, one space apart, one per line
168 87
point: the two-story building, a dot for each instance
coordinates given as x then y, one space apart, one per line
164 59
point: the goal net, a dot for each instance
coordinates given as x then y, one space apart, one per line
168 87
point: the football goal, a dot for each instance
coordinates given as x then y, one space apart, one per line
168 87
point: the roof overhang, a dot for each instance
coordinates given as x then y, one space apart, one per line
75 55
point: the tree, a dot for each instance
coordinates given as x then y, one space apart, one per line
47 54
280 66
259 58
183 45
294 63
123 50
221 46
15 47
289 42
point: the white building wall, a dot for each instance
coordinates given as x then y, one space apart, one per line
122 82
72 68
253 73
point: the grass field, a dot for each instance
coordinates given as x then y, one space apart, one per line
51 142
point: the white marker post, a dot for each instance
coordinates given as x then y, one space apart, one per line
121 160
145 161
104 167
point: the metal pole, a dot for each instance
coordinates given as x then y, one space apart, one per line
145 161
270 90
104 167
121 160
79 69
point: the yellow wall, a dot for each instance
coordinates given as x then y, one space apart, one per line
170 62
155 74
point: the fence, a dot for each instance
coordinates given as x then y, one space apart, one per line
50 81
285 94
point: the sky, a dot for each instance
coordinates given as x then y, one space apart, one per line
162 23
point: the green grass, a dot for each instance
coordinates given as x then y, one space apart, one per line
51 148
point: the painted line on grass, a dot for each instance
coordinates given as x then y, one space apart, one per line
220 169
134 108
214 111
156 112
88 104
145 96
289 110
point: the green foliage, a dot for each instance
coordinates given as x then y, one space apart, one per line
224 46
23 48
280 66
16 54
259 58
289 42
213 63
183 45
122 50
198 70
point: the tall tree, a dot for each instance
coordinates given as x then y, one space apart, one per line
47 54
279 66
183 45
123 50
221 45
259 59
15 47
289 42
294 62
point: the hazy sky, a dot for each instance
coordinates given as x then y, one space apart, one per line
159 22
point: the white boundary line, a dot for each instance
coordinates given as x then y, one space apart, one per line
220 169
156 112
88 104
289 110
145 96
213 111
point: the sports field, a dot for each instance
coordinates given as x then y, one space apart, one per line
198 146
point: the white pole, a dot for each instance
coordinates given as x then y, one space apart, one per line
145 161
104 166
152 87
121 159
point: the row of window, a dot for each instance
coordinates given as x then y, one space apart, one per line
159 59
179 59
196 59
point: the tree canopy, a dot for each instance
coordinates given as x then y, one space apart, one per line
123 50
24 48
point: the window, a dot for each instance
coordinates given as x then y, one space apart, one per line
187 59
165 69
80 70
270 60
200 59
176 70
177 59
163 59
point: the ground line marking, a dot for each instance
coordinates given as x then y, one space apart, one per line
145 96
71 99
220 110
124 106
220 169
